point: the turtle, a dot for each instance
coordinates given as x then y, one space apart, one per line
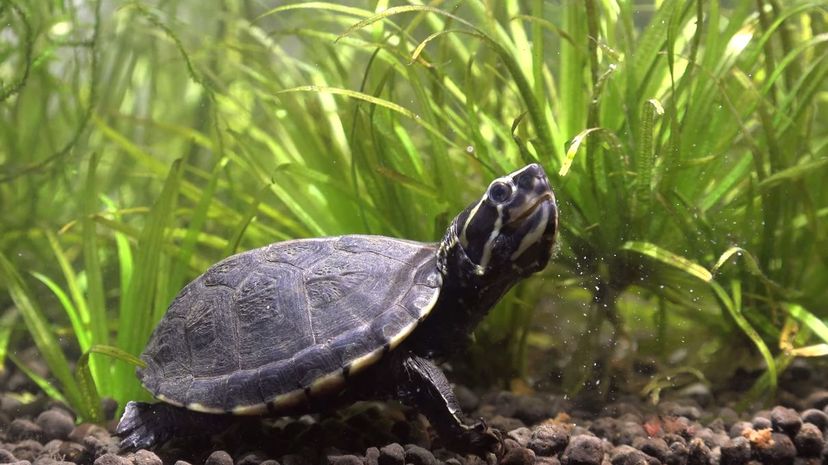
302 325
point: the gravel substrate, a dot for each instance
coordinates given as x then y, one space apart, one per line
538 429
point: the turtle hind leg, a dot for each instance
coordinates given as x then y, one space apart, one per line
421 384
144 425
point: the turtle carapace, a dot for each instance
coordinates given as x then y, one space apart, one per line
296 326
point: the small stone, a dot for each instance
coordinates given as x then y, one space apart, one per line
518 456
679 454
698 453
392 454
785 420
73 452
372 456
467 399
108 408
817 399
88 429
549 439
583 450
505 404
252 458
417 455
55 424
780 450
628 455
521 435
531 409
46 460
670 438
654 447
112 459
21 429
737 452
97 447
6 456
145 457
628 431
738 429
761 423
816 417
270 462
219 457
182 462
294 459
503 423
27 449
809 440
548 461
344 460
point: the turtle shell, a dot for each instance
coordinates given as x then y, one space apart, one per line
266 328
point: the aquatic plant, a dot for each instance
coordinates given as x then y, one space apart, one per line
142 142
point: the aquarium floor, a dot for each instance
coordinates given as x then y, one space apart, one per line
688 427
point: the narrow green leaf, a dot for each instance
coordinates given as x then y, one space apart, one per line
7 322
89 392
808 319
40 331
664 256
98 332
48 388
734 308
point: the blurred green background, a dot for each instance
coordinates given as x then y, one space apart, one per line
142 141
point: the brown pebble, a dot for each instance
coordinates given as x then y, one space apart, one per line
816 417
522 435
7 456
182 462
809 440
88 429
549 439
628 455
518 456
583 450
112 459
417 455
548 461
21 429
27 449
145 457
780 450
252 458
51 461
737 452
73 452
56 424
698 453
270 462
654 447
785 420
372 456
678 455
392 454
344 460
219 457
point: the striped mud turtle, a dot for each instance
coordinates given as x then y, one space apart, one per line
308 324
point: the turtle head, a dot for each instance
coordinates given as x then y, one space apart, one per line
508 233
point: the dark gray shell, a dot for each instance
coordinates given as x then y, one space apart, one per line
272 325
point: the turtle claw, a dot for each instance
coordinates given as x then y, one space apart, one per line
480 439
139 427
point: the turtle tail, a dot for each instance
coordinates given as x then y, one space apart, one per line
144 425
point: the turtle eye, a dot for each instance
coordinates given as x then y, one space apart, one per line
500 192
526 181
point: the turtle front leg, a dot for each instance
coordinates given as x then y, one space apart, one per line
145 425
421 384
